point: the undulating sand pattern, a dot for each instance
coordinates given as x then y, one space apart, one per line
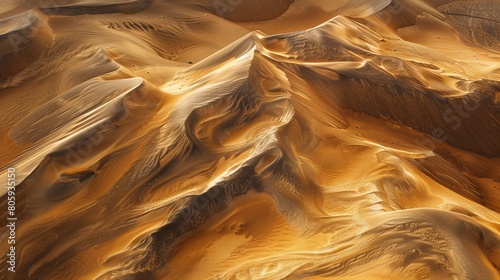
251 139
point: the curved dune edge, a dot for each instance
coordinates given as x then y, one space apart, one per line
23 38
94 7
165 140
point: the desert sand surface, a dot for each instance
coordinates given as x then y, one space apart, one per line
250 139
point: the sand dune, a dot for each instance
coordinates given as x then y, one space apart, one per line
242 139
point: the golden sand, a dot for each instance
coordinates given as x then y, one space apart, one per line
251 139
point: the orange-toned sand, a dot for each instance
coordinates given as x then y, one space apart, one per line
251 139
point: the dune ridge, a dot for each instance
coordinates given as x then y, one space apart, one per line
252 139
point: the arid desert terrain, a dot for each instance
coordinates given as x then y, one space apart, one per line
250 139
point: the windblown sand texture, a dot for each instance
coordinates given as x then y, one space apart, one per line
251 139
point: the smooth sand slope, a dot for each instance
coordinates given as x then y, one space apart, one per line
241 139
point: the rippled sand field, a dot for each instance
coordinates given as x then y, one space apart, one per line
251 139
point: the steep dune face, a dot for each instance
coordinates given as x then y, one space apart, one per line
22 40
251 139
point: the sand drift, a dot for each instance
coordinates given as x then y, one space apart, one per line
250 139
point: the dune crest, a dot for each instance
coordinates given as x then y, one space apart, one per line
241 139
